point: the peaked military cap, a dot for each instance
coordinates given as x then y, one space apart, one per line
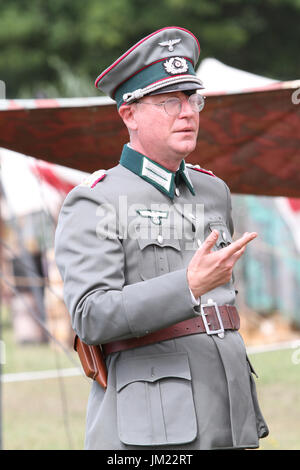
162 62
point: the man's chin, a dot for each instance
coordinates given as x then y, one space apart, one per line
185 148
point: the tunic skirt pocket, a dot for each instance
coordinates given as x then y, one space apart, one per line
155 403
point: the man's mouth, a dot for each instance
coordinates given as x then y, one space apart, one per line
186 129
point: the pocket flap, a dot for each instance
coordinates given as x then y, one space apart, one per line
163 242
157 235
152 368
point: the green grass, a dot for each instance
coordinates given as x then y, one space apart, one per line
34 357
278 388
50 414
42 414
34 417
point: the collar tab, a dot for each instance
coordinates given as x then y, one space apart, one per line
154 173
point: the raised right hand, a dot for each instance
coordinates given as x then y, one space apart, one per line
209 269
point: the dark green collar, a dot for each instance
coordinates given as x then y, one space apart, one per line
157 175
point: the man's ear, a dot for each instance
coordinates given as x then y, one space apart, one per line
127 113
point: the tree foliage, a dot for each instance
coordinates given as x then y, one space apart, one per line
58 48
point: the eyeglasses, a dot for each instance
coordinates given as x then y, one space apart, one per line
173 106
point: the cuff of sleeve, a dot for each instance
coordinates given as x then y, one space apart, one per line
196 302
158 302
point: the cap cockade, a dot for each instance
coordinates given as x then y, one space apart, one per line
161 62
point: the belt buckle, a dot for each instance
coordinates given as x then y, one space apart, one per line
220 332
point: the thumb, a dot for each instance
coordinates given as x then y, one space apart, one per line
210 241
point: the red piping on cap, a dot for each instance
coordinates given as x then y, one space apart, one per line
136 45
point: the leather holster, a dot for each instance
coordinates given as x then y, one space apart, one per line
92 361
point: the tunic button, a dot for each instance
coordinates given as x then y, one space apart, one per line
177 192
160 239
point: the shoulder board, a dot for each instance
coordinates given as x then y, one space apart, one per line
198 168
94 178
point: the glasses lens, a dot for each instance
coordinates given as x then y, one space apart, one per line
172 106
197 102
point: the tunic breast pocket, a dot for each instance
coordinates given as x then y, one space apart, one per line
159 254
224 238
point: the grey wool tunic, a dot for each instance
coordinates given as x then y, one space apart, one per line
123 244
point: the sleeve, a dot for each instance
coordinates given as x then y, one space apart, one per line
102 308
229 210
230 222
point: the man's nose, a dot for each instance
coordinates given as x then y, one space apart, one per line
186 108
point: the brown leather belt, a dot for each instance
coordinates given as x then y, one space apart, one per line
213 320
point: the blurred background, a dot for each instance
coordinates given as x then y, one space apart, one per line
55 128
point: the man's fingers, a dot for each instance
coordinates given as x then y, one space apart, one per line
209 242
236 256
240 243
235 248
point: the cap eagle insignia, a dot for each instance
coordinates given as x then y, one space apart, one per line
170 44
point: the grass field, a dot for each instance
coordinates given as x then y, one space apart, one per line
278 388
50 414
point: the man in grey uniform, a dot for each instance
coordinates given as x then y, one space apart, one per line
146 254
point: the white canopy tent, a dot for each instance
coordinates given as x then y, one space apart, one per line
222 78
